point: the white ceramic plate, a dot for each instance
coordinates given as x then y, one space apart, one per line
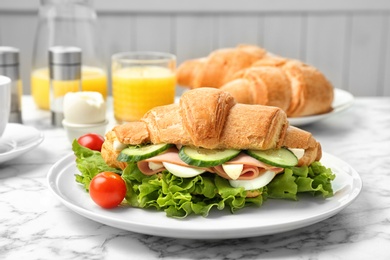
342 100
273 217
18 139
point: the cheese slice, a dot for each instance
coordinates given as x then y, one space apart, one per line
155 165
233 170
298 152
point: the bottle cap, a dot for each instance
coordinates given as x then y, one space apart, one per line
65 63
9 62
9 56
65 55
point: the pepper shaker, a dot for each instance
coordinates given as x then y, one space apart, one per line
65 76
9 67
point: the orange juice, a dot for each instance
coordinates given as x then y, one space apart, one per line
61 87
93 79
136 90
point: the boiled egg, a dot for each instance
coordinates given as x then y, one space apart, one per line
254 184
85 107
182 171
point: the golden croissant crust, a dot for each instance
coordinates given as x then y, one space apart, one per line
254 76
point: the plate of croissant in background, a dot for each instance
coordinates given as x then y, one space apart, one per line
254 76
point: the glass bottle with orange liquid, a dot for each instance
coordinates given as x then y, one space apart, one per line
67 23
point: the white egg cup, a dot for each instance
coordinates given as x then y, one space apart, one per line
74 131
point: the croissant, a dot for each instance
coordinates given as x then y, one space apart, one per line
218 67
268 86
212 119
297 88
311 92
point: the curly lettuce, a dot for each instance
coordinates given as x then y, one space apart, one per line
89 163
314 179
181 197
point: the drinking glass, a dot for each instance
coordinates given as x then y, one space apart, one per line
141 81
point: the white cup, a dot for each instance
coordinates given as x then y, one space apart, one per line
5 102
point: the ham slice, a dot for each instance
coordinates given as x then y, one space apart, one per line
252 168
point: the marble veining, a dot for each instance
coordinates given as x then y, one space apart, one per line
35 225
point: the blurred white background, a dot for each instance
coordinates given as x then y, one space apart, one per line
348 40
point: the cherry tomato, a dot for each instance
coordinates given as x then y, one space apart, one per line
91 141
107 189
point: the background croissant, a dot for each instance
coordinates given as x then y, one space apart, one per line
253 76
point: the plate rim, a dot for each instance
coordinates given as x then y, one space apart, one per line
20 149
55 173
305 120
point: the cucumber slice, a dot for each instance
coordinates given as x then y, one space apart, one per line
138 153
282 157
205 157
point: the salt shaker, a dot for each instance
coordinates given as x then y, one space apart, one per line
65 76
9 66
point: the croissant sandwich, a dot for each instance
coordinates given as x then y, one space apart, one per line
210 151
254 76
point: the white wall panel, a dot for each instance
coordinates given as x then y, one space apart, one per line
116 34
237 29
283 34
194 36
153 33
325 45
386 65
366 55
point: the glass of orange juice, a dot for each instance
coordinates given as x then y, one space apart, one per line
141 81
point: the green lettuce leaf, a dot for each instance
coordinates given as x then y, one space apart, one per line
181 197
315 179
89 163
283 186
321 181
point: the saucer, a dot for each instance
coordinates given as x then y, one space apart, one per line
18 139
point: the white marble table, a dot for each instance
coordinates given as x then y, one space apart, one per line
35 225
